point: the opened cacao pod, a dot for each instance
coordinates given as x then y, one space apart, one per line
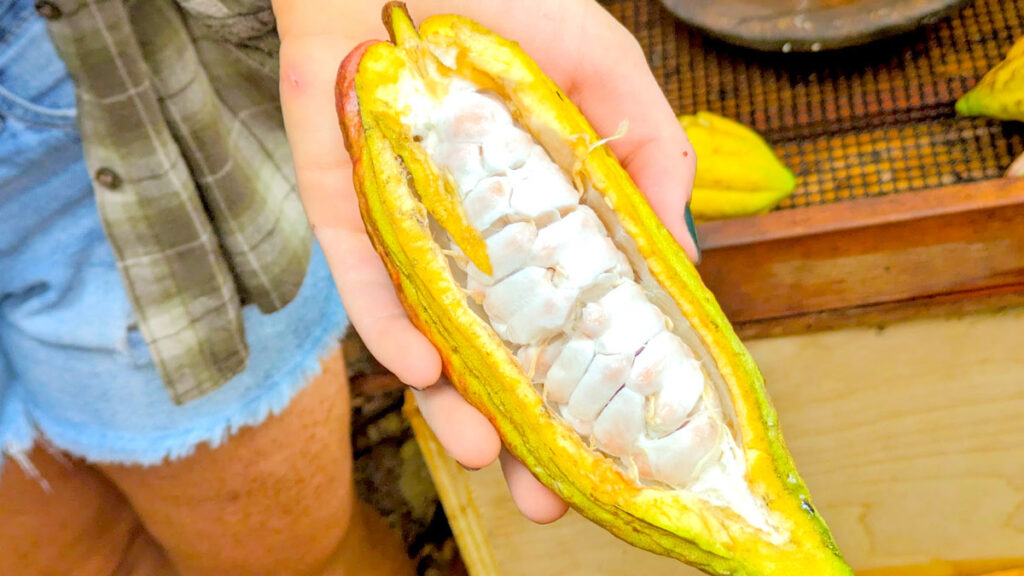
562 308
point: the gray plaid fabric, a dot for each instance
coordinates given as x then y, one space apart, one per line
179 115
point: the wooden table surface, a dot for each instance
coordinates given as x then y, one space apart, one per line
911 438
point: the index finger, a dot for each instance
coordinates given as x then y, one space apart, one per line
615 84
600 66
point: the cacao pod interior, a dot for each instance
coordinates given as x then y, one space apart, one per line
410 208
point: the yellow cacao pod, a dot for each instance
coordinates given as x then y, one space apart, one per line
738 174
1000 92
562 309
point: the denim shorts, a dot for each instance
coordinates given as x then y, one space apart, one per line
74 368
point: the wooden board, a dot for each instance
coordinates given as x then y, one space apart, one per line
910 437
870 259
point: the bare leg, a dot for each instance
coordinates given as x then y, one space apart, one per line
275 499
77 525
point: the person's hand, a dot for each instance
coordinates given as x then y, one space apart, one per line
587 53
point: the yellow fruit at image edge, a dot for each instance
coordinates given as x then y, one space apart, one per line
738 174
1000 95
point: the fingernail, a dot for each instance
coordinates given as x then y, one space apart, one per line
693 230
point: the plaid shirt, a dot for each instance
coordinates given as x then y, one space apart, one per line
182 129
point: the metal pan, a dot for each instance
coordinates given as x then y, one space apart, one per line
808 25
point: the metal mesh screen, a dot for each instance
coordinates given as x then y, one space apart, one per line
864 121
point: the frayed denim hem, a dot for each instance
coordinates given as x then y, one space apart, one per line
149 450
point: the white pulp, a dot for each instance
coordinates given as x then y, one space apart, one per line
564 298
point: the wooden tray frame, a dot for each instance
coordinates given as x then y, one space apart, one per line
876 260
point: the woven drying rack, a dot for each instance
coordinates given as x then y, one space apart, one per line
864 121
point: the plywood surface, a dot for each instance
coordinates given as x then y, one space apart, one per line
911 439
